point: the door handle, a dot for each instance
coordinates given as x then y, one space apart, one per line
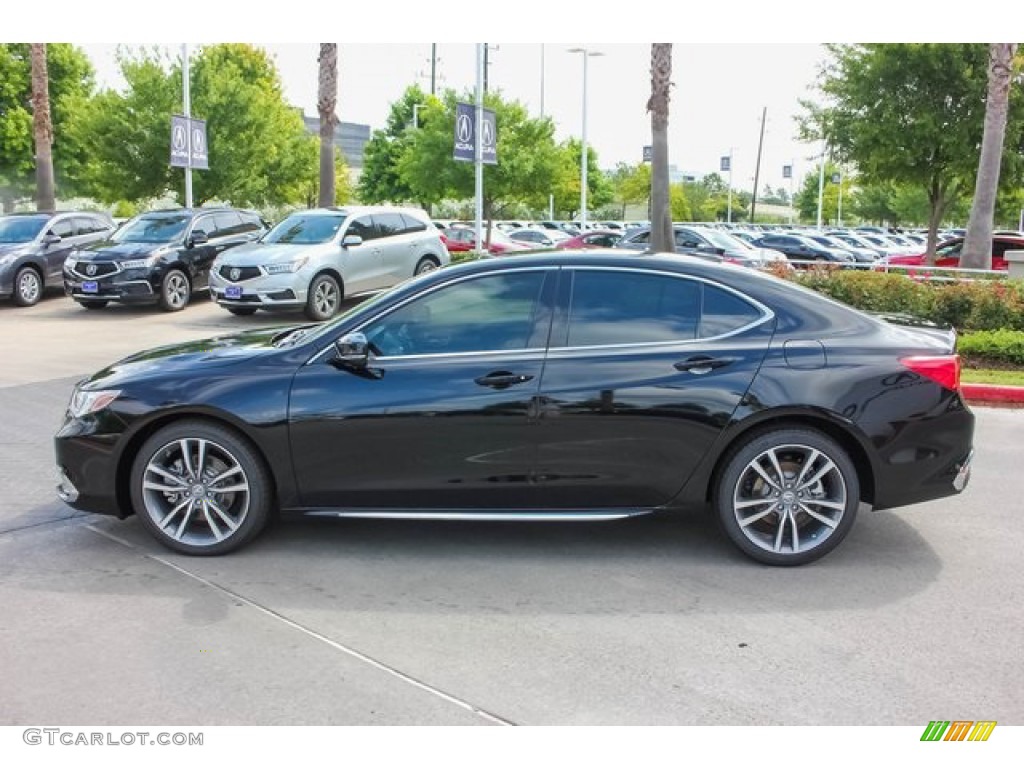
502 379
702 365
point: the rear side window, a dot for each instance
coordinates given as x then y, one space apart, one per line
412 224
621 308
250 222
388 224
624 308
227 224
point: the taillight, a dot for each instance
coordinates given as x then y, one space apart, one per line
943 369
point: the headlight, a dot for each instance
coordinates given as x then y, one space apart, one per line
148 262
285 267
70 263
84 402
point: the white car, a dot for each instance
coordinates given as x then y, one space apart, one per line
315 258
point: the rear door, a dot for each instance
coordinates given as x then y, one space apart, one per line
644 371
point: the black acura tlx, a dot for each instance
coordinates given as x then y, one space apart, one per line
545 387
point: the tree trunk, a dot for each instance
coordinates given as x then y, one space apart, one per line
43 128
326 104
662 238
977 250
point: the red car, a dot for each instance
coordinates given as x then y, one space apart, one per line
600 239
459 239
947 254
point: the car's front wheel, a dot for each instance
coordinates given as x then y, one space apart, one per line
324 298
28 287
788 496
175 291
200 488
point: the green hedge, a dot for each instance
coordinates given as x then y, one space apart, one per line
982 305
992 349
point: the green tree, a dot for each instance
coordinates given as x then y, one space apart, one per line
528 158
326 105
909 113
566 188
631 185
806 198
260 152
70 77
380 180
679 205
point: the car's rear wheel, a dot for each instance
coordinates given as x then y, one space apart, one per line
324 298
93 303
28 287
427 264
242 311
788 496
175 291
200 488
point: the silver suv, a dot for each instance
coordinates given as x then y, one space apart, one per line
313 259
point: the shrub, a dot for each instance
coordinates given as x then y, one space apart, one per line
983 349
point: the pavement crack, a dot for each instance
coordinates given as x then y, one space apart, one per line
358 655
29 526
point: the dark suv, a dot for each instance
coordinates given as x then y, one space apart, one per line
33 247
159 257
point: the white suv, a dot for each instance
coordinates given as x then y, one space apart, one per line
313 259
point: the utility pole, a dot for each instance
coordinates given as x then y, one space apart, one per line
433 69
487 64
821 182
757 167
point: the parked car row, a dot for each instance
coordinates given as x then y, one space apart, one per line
311 260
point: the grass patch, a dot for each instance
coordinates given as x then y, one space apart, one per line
988 376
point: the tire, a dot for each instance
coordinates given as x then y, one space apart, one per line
241 311
426 264
324 298
799 518
28 287
175 291
93 303
200 489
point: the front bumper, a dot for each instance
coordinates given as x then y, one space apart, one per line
287 291
127 291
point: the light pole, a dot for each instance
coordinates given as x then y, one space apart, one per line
728 215
821 182
583 155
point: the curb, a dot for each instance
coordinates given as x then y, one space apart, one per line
989 394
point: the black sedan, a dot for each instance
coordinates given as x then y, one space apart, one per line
800 248
549 387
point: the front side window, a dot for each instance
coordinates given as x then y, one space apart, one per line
305 229
63 228
482 314
363 227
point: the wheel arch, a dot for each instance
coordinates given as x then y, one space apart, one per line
141 434
333 272
842 432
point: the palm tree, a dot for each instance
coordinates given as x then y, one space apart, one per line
662 238
977 250
43 128
327 102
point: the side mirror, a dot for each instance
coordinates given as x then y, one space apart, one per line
351 240
50 239
198 238
353 351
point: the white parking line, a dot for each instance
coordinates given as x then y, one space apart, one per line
312 633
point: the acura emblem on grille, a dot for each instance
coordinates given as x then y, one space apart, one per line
90 270
235 273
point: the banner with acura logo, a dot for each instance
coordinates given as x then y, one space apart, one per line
182 130
465 123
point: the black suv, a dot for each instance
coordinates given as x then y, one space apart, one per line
33 247
159 257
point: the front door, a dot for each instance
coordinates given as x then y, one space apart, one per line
442 417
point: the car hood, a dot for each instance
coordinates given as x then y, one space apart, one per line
108 250
254 254
201 356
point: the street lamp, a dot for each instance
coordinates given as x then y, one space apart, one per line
583 156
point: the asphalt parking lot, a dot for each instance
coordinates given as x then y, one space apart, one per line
916 617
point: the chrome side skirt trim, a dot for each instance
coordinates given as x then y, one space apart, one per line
461 514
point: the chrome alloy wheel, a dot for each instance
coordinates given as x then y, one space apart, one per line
195 491
325 298
29 287
789 499
176 290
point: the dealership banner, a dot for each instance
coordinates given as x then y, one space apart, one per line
465 134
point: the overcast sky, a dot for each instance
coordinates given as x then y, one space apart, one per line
735 59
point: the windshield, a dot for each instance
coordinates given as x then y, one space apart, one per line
305 229
725 240
152 229
21 230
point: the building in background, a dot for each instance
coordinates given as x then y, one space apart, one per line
350 138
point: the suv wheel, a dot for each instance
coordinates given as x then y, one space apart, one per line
324 298
28 287
426 264
175 291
